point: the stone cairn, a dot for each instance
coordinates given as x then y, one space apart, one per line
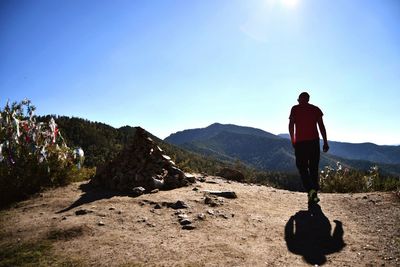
141 164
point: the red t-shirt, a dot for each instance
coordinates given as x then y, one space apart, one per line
305 119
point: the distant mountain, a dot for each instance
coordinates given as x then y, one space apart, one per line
248 148
366 151
363 151
200 134
270 152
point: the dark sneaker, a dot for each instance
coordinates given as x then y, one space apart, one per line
313 197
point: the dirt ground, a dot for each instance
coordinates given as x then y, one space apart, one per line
263 226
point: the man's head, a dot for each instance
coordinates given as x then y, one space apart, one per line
303 98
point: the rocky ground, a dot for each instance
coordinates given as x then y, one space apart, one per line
263 226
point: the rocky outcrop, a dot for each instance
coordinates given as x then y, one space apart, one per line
140 164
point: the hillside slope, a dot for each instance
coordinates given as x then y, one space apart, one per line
261 227
269 152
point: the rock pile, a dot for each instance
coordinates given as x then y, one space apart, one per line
141 164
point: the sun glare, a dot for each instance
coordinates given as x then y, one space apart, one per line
283 3
290 3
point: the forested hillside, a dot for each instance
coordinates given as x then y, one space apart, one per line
102 142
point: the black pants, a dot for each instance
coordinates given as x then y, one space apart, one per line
307 162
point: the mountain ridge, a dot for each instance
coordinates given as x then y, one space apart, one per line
211 130
388 154
275 152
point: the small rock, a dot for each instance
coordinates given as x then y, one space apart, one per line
365 197
144 219
179 205
195 189
182 216
188 227
137 191
209 201
82 212
190 177
201 216
151 225
112 208
185 222
63 218
101 223
154 191
166 204
211 212
178 212
226 194
224 216
157 206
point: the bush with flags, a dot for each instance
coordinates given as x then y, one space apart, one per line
33 154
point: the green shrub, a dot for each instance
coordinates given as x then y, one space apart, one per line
344 180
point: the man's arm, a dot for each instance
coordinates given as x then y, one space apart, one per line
322 129
291 131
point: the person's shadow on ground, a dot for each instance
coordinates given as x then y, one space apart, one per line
308 233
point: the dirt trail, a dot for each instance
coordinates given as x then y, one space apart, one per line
263 226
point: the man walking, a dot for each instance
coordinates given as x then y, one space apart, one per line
304 119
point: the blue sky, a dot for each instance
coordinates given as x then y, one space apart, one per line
170 65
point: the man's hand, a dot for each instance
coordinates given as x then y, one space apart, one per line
325 148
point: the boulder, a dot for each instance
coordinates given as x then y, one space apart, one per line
140 164
231 174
